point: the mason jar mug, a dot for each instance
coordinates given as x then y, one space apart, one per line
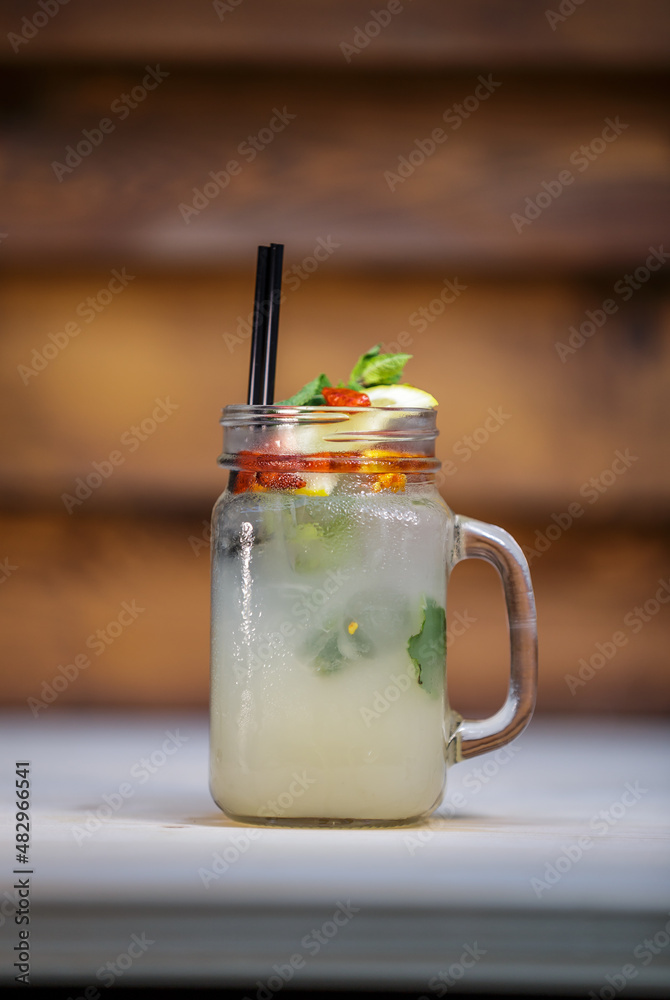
331 552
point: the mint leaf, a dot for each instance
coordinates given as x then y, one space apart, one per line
309 395
368 624
329 658
374 368
332 647
428 648
385 369
356 377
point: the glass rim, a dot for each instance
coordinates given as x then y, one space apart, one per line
273 413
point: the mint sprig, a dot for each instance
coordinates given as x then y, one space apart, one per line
372 368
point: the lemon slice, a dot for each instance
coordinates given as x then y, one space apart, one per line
317 484
400 395
307 439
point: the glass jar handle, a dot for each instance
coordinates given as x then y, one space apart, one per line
477 540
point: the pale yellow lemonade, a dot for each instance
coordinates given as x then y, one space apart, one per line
328 650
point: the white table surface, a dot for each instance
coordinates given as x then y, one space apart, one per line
418 900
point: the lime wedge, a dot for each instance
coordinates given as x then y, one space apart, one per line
400 395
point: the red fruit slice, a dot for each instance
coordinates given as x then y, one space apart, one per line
281 481
345 397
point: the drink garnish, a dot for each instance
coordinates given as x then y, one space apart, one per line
400 395
345 397
336 641
374 381
428 648
393 481
311 393
375 368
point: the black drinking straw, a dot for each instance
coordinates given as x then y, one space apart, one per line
265 325
257 356
274 295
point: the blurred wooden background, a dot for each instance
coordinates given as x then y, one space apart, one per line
173 328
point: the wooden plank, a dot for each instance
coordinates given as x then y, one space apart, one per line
71 580
561 418
462 33
486 198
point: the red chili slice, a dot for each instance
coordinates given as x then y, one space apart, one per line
345 397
